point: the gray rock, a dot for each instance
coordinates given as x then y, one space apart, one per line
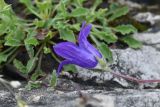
46 97
130 4
148 17
149 38
6 99
141 64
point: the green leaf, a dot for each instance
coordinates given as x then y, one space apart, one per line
2 4
30 50
79 12
31 41
67 34
53 80
59 25
33 84
44 6
26 2
39 23
38 72
78 3
74 26
31 8
20 66
62 6
133 43
46 50
6 18
106 52
70 67
108 37
62 10
3 57
96 4
125 29
12 42
100 14
5 8
14 37
31 64
118 12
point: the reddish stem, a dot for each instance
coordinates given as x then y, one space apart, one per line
134 79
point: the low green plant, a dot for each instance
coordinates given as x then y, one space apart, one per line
46 22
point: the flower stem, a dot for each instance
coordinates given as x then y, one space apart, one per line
7 50
95 40
14 53
54 56
132 78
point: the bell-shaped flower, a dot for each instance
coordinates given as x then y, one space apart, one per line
84 54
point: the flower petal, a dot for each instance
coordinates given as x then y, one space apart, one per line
85 30
83 42
77 55
65 62
83 25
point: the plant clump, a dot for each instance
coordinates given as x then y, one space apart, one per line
41 24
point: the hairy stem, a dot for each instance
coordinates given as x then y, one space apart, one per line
54 56
40 60
95 40
133 79
14 54
7 50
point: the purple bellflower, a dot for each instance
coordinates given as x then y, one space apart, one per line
84 54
